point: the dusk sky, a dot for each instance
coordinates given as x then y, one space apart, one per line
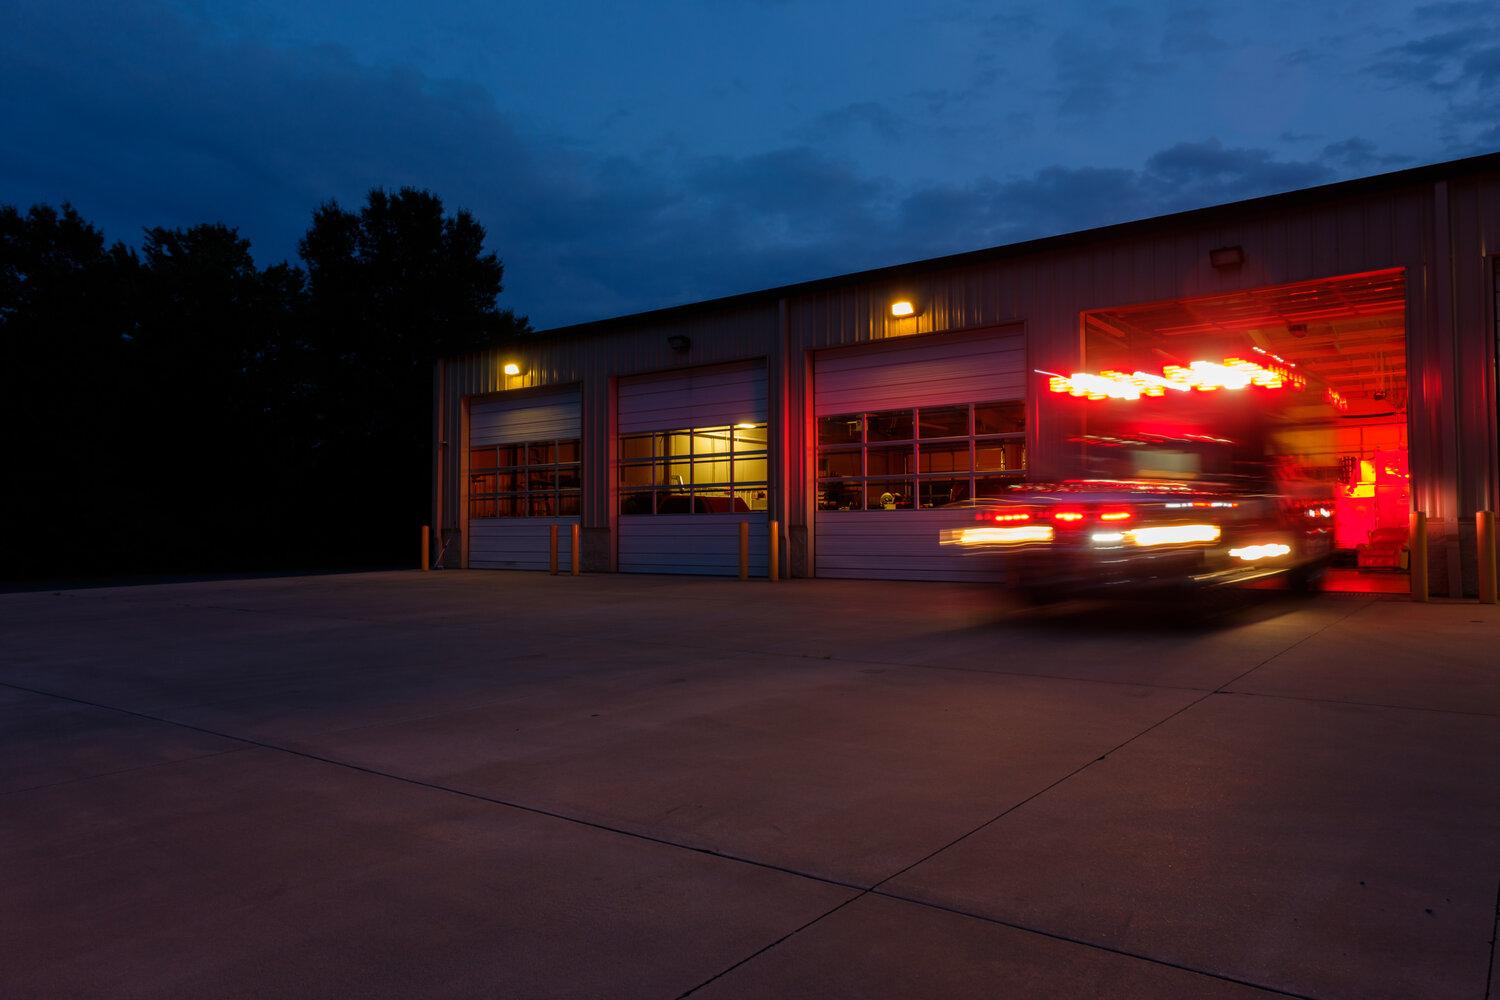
625 157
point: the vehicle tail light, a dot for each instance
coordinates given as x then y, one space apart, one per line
1176 534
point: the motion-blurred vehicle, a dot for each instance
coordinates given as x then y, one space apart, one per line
1191 478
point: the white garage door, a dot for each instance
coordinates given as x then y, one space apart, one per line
692 468
902 429
523 478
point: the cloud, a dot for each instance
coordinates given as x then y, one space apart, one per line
871 116
141 116
1456 52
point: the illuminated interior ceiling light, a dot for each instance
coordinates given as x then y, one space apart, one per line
512 368
1250 553
904 307
1175 534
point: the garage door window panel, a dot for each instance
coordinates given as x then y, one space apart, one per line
938 492
944 421
888 461
895 425
993 456
701 470
949 456
955 452
888 494
1000 418
531 479
848 428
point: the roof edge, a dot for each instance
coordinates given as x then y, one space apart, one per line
1406 177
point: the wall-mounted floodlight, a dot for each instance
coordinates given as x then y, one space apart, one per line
511 368
903 307
1227 257
679 343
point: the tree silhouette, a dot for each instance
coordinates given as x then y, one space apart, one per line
391 289
216 342
66 327
182 409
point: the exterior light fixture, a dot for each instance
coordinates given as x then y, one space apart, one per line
511 368
1227 256
679 343
903 308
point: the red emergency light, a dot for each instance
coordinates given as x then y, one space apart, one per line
1201 376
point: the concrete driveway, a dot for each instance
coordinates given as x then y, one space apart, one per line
489 784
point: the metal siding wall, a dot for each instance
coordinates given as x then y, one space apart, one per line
520 543
896 545
531 417
922 372
695 544
590 358
1451 346
696 398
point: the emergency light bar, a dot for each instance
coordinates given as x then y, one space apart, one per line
1203 376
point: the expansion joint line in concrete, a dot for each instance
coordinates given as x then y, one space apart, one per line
860 892
877 890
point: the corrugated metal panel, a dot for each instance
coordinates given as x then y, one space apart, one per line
630 346
897 545
528 417
978 367
519 542
922 372
1352 228
701 397
695 544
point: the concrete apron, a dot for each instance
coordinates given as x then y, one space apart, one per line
509 784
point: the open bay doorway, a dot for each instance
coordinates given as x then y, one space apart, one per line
1347 335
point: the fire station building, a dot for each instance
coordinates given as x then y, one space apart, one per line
843 414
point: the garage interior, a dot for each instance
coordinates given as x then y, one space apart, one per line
1346 334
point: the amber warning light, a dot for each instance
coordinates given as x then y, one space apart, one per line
1202 376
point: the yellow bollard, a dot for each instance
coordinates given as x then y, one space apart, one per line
1484 525
774 570
552 551
1418 562
575 550
426 547
744 550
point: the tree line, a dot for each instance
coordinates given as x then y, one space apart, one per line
178 409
